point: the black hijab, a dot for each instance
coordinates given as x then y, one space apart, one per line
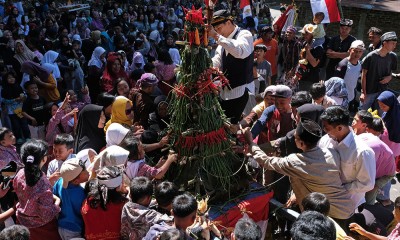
10 91
88 134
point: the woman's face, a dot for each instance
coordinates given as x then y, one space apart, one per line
19 48
116 66
15 11
64 32
151 17
383 106
103 57
8 35
102 120
128 110
123 88
65 41
170 41
163 110
10 79
54 109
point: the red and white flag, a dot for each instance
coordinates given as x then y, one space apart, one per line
245 5
328 7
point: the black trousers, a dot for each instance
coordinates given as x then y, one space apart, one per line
234 108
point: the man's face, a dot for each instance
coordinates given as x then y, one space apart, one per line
282 104
267 36
356 53
289 35
221 29
374 38
332 131
308 37
390 45
344 31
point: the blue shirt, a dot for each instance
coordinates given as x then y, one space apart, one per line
72 197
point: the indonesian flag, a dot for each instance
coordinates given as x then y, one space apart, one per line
244 3
328 7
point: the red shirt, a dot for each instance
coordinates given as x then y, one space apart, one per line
271 54
102 224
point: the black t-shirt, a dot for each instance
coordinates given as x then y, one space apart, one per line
312 73
378 67
337 45
36 109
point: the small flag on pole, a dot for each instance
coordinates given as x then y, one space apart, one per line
328 7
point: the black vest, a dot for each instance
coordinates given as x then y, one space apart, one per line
238 71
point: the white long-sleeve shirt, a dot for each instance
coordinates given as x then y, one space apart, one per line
241 47
357 165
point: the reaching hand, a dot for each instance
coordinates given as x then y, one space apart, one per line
357 228
65 102
247 135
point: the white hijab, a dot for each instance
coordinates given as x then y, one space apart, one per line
174 53
50 58
115 134
95 59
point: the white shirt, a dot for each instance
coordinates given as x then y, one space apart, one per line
357 165
241 47
55 165
352 74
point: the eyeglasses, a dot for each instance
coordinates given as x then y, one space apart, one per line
128 111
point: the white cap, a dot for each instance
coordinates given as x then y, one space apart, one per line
358 44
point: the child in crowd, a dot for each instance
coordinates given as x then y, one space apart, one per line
73 98
102 209
318 94
34 109
8 152
263 66
184 209
258 79
137 166
137 218
63 149
13 97
72 195
165 193
37 207
319 32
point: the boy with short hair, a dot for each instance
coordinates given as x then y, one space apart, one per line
319 32
137 218
263 66
72 195
63 149
165 193
184 209
318 94
34 109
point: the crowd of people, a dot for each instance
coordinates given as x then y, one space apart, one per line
84 120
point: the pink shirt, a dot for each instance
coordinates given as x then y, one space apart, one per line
395 147
385 164
395 235
36 206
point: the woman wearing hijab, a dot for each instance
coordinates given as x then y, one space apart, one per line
144 104
165 68
175 56
389 104
90 129
96 23
110 156
106 42
121 113
45 81
159 119
336 89
81 29
22 54
50 57
95 70
113 71
115 134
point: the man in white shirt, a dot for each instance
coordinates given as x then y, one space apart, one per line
234 56
356 160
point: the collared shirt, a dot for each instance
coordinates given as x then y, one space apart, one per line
312 171
385 164
241 47
357 165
